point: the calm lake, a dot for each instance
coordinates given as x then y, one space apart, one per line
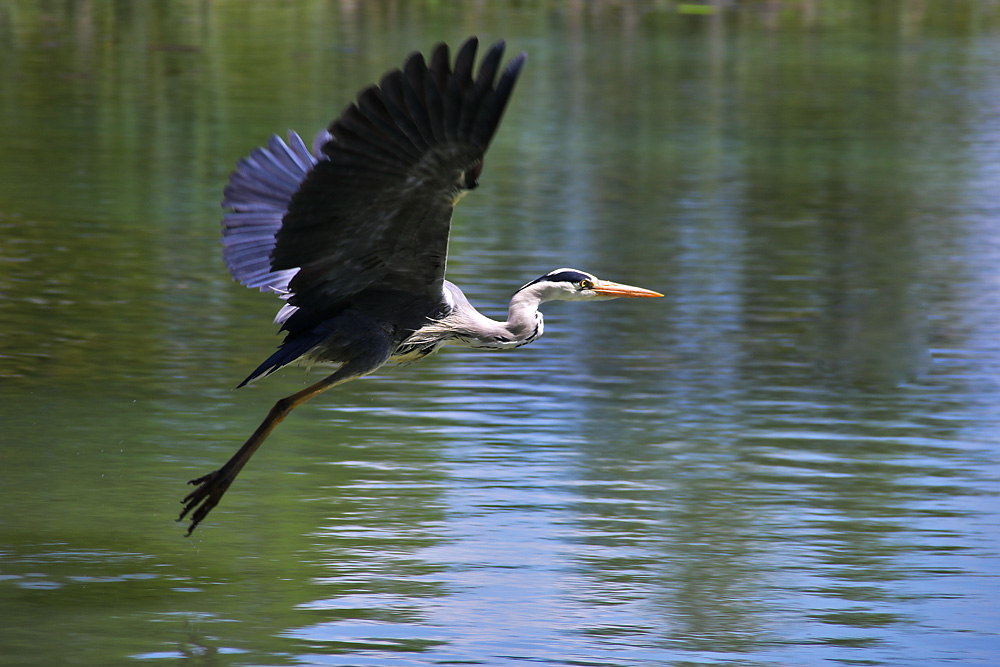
793 459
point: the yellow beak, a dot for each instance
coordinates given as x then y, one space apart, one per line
608 288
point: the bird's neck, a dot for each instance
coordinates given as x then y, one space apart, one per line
524 320
473 329
465 326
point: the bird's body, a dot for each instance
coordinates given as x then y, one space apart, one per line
353 235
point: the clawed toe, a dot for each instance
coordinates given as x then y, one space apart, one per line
205 497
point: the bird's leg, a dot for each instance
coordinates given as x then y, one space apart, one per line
212 486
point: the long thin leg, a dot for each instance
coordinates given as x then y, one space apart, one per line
212 486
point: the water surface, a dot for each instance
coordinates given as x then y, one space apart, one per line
791 459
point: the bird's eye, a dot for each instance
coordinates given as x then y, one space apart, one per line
586 284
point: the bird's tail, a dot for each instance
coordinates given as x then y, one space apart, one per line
293 348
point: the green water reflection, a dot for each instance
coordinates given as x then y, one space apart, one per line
789 460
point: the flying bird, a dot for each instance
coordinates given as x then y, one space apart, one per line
353 235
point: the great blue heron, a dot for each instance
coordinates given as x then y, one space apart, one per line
353 235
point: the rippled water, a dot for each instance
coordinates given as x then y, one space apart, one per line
791 459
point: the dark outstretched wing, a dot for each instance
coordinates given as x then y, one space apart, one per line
375 212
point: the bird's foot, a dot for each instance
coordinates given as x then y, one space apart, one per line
206 496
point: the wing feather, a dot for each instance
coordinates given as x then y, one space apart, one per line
257 197
440 67
394 100
414 96
464 61
389 135
356 134
488 67
435 108
297 152
488 118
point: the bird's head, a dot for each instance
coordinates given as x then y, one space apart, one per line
575 285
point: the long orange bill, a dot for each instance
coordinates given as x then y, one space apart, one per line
608 288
